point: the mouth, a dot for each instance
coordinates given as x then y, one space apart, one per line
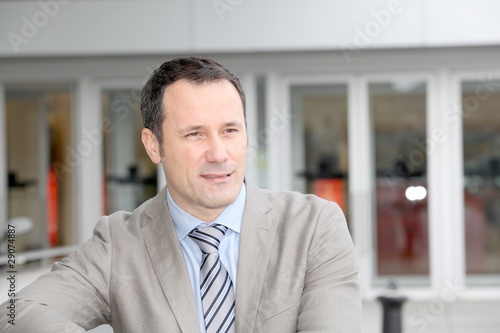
217 177
214 176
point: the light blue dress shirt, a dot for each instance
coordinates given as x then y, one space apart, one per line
228 249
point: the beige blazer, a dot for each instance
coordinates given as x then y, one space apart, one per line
296 272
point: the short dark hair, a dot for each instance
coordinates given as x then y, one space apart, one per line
194 70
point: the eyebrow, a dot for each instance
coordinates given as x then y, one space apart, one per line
199 127
233 124
191 128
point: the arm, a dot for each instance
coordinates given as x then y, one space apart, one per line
331 300
73 297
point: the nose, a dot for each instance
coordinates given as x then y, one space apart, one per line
217 151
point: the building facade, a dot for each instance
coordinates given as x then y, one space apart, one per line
392 114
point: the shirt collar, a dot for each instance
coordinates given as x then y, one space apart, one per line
231 216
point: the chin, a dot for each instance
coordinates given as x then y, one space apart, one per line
221 201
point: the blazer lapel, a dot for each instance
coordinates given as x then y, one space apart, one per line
257 237
169 263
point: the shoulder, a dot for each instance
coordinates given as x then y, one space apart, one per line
299 203
316 222
122 223
298 214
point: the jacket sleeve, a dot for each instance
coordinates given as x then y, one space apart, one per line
73 297
331 299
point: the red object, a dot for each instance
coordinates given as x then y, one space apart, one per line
402 230
52 208
331 189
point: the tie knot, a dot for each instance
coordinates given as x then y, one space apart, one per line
208 239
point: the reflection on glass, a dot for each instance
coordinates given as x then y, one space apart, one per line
319 143
40 166
481 126
130 176
398 113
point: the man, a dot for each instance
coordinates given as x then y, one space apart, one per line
212 252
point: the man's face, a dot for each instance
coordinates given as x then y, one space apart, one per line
204 146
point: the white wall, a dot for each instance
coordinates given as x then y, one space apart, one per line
50 27
98 27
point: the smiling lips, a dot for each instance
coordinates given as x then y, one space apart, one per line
217 177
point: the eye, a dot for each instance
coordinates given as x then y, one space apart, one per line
193 134
230 130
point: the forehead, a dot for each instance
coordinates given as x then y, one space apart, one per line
183 95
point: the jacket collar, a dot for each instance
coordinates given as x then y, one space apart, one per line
258 231
169 263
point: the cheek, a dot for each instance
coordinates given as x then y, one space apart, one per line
242 149
192 157
174 159
239 154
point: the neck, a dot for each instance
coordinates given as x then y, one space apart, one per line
206 215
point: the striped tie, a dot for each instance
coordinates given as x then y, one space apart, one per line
216 287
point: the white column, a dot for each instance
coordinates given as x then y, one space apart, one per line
437 163
87 158
445 165
361 179
3 161
277 134
452 241
435 189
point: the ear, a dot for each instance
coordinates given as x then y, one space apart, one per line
152 145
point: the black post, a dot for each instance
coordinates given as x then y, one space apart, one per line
392 313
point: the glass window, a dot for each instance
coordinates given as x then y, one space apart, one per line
130 176
319 141
481 144
398 111
40 168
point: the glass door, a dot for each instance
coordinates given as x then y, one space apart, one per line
398 116
481 147
40 175
319 141
130 176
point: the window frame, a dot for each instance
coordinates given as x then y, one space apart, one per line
477 286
